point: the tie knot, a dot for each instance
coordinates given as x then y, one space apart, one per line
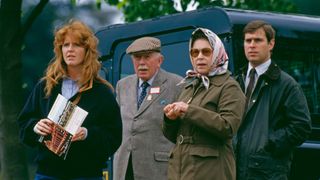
144 85
252 72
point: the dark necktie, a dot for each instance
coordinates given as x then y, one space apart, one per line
143 93
250 87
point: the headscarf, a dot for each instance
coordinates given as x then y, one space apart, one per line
219 58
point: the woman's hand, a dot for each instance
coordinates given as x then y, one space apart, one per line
175 110
80 135
43 127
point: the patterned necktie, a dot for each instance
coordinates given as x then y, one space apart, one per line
250 87
143 93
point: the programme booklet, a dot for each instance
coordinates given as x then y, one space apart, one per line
67 118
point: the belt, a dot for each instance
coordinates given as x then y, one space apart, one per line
181 139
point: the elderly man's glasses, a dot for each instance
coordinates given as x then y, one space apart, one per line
205 51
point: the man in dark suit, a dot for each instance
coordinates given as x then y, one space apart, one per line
144 151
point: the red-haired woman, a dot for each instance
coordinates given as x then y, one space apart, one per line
73 72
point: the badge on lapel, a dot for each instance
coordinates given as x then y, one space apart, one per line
153 90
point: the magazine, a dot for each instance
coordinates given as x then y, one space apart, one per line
67 118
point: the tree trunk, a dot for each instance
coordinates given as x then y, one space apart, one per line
12 153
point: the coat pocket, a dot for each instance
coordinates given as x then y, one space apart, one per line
202 151
266 167
161 156
204 163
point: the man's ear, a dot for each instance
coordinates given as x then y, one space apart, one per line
160 59
271 44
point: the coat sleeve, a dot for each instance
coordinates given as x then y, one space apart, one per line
225 122
170 128
296 120
29 116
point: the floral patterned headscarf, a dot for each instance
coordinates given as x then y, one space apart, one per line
219 58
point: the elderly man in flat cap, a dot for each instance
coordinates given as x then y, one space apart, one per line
144 152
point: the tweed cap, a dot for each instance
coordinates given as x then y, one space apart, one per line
144 44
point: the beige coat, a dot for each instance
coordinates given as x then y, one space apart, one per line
203 136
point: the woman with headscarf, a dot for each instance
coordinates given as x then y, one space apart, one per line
206 115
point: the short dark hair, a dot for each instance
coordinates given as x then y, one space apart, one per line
198 35
257 24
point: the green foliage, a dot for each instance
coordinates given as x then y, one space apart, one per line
143 9
112 2
207 3
73 2
98 4
265 5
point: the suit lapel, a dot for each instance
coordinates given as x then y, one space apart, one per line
131 94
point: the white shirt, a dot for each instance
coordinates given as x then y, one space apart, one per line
69 87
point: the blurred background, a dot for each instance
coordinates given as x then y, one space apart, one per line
26 47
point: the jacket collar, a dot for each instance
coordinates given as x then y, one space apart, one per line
273 72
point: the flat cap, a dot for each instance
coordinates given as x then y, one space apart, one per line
144 44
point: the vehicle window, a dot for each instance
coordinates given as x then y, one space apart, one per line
177 58
126 66
304 67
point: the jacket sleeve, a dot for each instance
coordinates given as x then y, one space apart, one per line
297 123
170 128
29 116
225 122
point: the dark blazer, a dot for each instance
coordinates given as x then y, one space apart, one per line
142 135
85 158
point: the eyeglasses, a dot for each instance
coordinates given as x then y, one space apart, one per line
205 51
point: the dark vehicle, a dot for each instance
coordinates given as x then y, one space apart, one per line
297 52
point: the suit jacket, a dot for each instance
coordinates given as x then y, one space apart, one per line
142 135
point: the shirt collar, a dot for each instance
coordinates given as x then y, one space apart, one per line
262 68
150 81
